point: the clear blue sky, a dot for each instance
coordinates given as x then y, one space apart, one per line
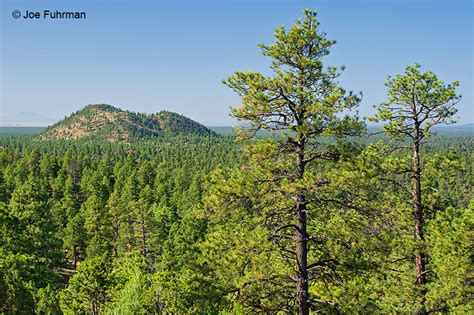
152 55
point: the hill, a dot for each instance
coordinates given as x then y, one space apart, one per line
105 122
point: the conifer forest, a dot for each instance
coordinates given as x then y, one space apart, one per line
307 208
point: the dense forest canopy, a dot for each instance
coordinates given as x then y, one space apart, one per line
313 214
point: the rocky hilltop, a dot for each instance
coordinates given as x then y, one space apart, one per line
106 122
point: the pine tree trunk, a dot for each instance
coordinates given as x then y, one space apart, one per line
420 259
74 256
94 308
301 240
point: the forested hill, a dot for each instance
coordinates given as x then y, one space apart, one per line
105 122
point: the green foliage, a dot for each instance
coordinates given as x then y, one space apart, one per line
132 292
302 96
89 289
294 202
450 242
417 100
190 222
25 263
207 250
178 124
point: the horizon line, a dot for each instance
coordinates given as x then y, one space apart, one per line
16 125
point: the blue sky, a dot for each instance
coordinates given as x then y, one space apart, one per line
152 55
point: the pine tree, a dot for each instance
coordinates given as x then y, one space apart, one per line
302 102
416 103
29 204
88 289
